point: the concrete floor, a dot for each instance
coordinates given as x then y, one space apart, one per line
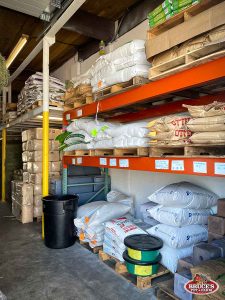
29 270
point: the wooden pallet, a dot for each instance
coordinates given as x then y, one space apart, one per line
139 281
194 58
181 17
83 100
188 150
40 103
142 151
95 250
165 290
120 87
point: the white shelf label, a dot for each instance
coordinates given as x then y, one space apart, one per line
67 117
112 162
79 160
103 161
74 161
162 164
124 163
177 165
79 113
200 167
219 168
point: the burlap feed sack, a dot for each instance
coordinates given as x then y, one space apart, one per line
216 123
173 135
193 44
213 109
208 137
169 123
165 56
217 34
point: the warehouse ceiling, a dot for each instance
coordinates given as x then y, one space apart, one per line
93 22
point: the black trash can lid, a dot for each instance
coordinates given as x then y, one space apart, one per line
128 259
60 198
143 242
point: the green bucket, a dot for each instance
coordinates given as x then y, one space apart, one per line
143 247
141 268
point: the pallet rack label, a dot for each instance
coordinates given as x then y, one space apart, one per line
124 163
79 160
74 161
103 161
67 117
177 165
79 113
112 162
219 168
200 167
162 164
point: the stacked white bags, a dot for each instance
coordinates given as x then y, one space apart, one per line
145 214
115 232
183 211
103 135
120 65
92 216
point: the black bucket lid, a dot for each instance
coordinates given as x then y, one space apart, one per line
128 259
143 242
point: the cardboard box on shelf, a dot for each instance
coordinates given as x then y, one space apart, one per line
36 156
36 145
37 133
194 26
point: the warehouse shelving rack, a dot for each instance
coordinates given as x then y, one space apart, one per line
198 78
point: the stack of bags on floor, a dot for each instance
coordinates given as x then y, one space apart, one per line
170 130
32 163
116 231
94 134
120 65
168 9
33 91
208 123
91 217
22 201
145 216
183 209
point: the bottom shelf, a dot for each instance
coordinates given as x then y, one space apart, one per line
201 166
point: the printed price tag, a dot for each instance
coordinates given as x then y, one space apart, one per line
112 162
124 163
74 161
162 164
67 117
79 113
177 165
79 160
103 161
219 168
200 167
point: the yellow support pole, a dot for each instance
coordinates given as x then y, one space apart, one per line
3 163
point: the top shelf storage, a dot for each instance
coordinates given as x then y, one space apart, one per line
198 76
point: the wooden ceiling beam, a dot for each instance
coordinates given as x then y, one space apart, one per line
91 25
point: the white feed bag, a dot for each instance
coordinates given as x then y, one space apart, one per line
129 130
180 237
126 50
184 194
170 256
138 58
129 142
88 209
180 216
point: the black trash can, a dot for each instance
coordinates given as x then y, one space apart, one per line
59 213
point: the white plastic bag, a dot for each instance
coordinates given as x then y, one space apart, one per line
129 142
137 129
88 209
184 195
180 216
180 237
170 256
138 58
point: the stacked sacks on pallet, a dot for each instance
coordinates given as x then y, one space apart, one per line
91 217
208 123
95 134
119 66
169 130
33 91
183 209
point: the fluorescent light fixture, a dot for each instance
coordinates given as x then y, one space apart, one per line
51 118
16 50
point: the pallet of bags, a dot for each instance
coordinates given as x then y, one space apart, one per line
32 162
183 210
78 96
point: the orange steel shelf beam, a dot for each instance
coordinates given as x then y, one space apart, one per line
200 166
195 76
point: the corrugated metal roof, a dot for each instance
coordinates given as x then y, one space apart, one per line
29 7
